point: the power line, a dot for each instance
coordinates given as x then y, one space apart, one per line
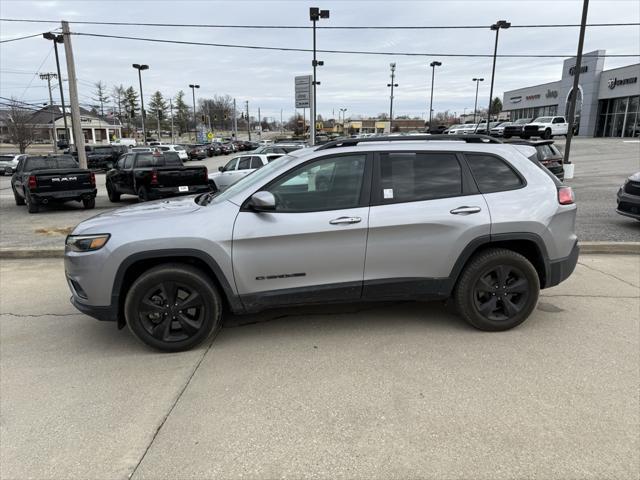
306 27
37 70
354 52
20 38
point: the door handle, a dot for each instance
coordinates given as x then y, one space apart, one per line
465 210
345 220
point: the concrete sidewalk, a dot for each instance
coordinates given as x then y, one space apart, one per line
355 391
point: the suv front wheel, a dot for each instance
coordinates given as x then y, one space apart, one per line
497 290
173 307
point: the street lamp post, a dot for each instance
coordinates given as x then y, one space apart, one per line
433 66
496 26
315 14
392 84
140 68
343 110
195 117
56 40
475 105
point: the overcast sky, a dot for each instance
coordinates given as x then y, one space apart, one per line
266 78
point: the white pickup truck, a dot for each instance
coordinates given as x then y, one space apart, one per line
546 127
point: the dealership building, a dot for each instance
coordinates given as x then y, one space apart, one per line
607 100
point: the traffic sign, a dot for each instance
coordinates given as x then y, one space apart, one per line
209 135
303 91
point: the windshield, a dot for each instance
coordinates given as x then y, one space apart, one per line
543 120
523 120
179 148
255 178
102 150
40 163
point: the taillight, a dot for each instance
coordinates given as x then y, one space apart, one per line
154 178
206 173
92 177
566 196
33 183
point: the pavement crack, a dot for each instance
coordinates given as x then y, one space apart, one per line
587 296
173 405
39 315
609 275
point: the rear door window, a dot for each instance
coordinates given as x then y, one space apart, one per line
256 162
128 161
415 176
492 174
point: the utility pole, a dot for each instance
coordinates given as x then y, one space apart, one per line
78 137
235 120
259 124
392 84
248 120
281 124
171 110
576 82
52 133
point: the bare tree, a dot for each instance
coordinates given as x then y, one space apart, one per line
19 127
101 96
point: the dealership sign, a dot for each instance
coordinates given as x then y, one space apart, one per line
614 82
552 94
533 97
583 69
516 99
303 91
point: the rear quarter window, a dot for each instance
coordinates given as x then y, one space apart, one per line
492 174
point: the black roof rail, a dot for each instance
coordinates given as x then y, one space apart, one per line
350 142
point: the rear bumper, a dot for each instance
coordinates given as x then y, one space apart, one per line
628 205
560 270
64 195
161 192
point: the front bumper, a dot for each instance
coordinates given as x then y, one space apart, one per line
628 205
104 314
560 270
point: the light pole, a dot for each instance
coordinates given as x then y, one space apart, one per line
392 84
496 26
315 14
475 105
140 68
433 65
195 117
56 40
343 110
171 111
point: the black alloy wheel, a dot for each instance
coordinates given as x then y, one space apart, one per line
173 307
497 290
501 292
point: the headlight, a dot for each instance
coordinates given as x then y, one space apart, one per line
87 243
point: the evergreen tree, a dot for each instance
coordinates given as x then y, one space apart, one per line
158 109
182 112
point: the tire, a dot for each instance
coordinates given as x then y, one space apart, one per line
474 293
212 186
546 135
506 136
89 203
143 194
112 194
164 325
525 137
32 206
18 198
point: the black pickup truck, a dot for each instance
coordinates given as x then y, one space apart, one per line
101 157
48 179
151 175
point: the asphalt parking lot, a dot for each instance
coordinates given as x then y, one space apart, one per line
602 165
396 390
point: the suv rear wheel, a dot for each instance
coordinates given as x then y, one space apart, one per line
19 200
173 307
497 290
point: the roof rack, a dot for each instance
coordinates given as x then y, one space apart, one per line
350 142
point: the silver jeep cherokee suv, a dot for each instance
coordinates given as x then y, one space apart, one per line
422 218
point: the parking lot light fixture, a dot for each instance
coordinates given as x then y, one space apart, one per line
315 14
392 85
140 67
433 66
56 39
496 26
195 117
475 106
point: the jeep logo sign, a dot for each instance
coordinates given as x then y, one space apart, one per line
614 82
552 94
583 69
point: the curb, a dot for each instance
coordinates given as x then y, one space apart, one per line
586 248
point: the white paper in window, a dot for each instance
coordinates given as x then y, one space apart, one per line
387 193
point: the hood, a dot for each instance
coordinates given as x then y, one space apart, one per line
155 210
635 177
535 124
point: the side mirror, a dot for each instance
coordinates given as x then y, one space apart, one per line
263 201
221 169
